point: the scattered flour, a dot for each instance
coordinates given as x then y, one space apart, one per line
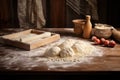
14 58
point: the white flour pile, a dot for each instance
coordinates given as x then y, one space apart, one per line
20 59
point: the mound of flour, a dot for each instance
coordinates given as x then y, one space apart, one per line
16 59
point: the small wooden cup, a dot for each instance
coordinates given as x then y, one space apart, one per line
78 26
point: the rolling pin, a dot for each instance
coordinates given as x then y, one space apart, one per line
43 35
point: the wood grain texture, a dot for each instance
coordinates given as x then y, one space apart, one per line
110 61
57 13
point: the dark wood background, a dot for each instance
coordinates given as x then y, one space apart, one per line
55 13
8 13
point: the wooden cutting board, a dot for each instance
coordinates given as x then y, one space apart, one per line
30 39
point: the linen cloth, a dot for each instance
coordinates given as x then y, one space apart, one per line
30 13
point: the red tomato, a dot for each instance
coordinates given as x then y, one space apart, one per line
112 43
102 40
97 41
93 38
106 42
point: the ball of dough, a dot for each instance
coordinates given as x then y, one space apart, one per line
67 43
82 48
52 52
67 52
78 48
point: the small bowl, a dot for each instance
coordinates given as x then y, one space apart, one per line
78 25
103 31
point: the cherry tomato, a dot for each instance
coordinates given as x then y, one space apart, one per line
112 43
97 41
102 40
106 42
93 38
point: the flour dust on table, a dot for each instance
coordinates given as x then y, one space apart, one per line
66 52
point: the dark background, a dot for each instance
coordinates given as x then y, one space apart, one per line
55 12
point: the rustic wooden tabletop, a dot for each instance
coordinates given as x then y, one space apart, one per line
109 61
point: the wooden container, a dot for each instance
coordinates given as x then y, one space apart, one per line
30 39
87 27
78 26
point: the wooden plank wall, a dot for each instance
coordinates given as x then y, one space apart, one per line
55 13
8 13
4 12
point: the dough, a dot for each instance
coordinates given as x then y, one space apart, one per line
67 43
82 48
67 52
52 52
69 48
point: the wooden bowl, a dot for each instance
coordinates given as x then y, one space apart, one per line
78 25
103 31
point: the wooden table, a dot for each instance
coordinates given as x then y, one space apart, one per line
110 61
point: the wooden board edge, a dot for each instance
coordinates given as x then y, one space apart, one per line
45 41
17 44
